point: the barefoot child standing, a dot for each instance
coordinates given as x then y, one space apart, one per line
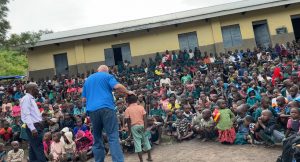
136 118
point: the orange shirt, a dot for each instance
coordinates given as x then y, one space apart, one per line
136 114
206 60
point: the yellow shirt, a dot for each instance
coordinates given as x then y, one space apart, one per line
170 107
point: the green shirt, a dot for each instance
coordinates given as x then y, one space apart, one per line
157 112
226 119
186 78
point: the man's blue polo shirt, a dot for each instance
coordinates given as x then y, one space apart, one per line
97 90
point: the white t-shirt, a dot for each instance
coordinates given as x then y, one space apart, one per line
191 54
166 81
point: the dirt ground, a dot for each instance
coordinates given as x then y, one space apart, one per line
197 151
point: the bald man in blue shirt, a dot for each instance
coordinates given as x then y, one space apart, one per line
97 93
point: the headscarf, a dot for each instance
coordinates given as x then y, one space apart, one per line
276 74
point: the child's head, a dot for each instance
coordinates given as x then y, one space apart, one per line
67 116
242 110
56 137
214 97
47 136
265 102
252 94
78 122
280 101
5 124
169 113
295 113
68 136
172 100
187 108
150 121
294 90
131 99
266 115
179 114
221 103
206 114
15 145
247 120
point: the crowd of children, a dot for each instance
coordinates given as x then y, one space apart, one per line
241 97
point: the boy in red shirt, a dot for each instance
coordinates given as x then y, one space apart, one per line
6 133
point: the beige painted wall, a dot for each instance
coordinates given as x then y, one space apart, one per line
160 39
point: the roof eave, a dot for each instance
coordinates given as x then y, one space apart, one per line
165 23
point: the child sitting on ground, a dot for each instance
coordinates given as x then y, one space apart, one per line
69 147
2 152
56 148
169 121
47 144
265 128
153 132
187 113
6 133
207 126
243 135
183 127
225 124
135 116
84 142
15 155
293 123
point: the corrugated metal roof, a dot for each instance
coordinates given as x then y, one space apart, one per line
163 20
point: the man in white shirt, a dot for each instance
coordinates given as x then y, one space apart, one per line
32 117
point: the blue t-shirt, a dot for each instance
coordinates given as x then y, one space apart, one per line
97 90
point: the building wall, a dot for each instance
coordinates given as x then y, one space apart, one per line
89 54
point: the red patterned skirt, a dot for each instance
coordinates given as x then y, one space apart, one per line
227 135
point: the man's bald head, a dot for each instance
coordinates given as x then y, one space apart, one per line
102 68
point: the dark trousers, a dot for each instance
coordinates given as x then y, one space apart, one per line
36 148
106 119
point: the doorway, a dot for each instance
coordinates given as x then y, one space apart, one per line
118 55
61 64
296 27
261 33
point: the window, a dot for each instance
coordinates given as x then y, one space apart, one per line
231 36
188 41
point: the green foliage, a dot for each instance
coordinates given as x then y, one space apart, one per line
22 41
13 49
12 63
4 24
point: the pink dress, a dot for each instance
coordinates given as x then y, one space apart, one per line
56 149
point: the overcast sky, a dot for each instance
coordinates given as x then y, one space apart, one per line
60 15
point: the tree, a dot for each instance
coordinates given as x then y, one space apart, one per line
13 49
4 24
22 41
12 63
